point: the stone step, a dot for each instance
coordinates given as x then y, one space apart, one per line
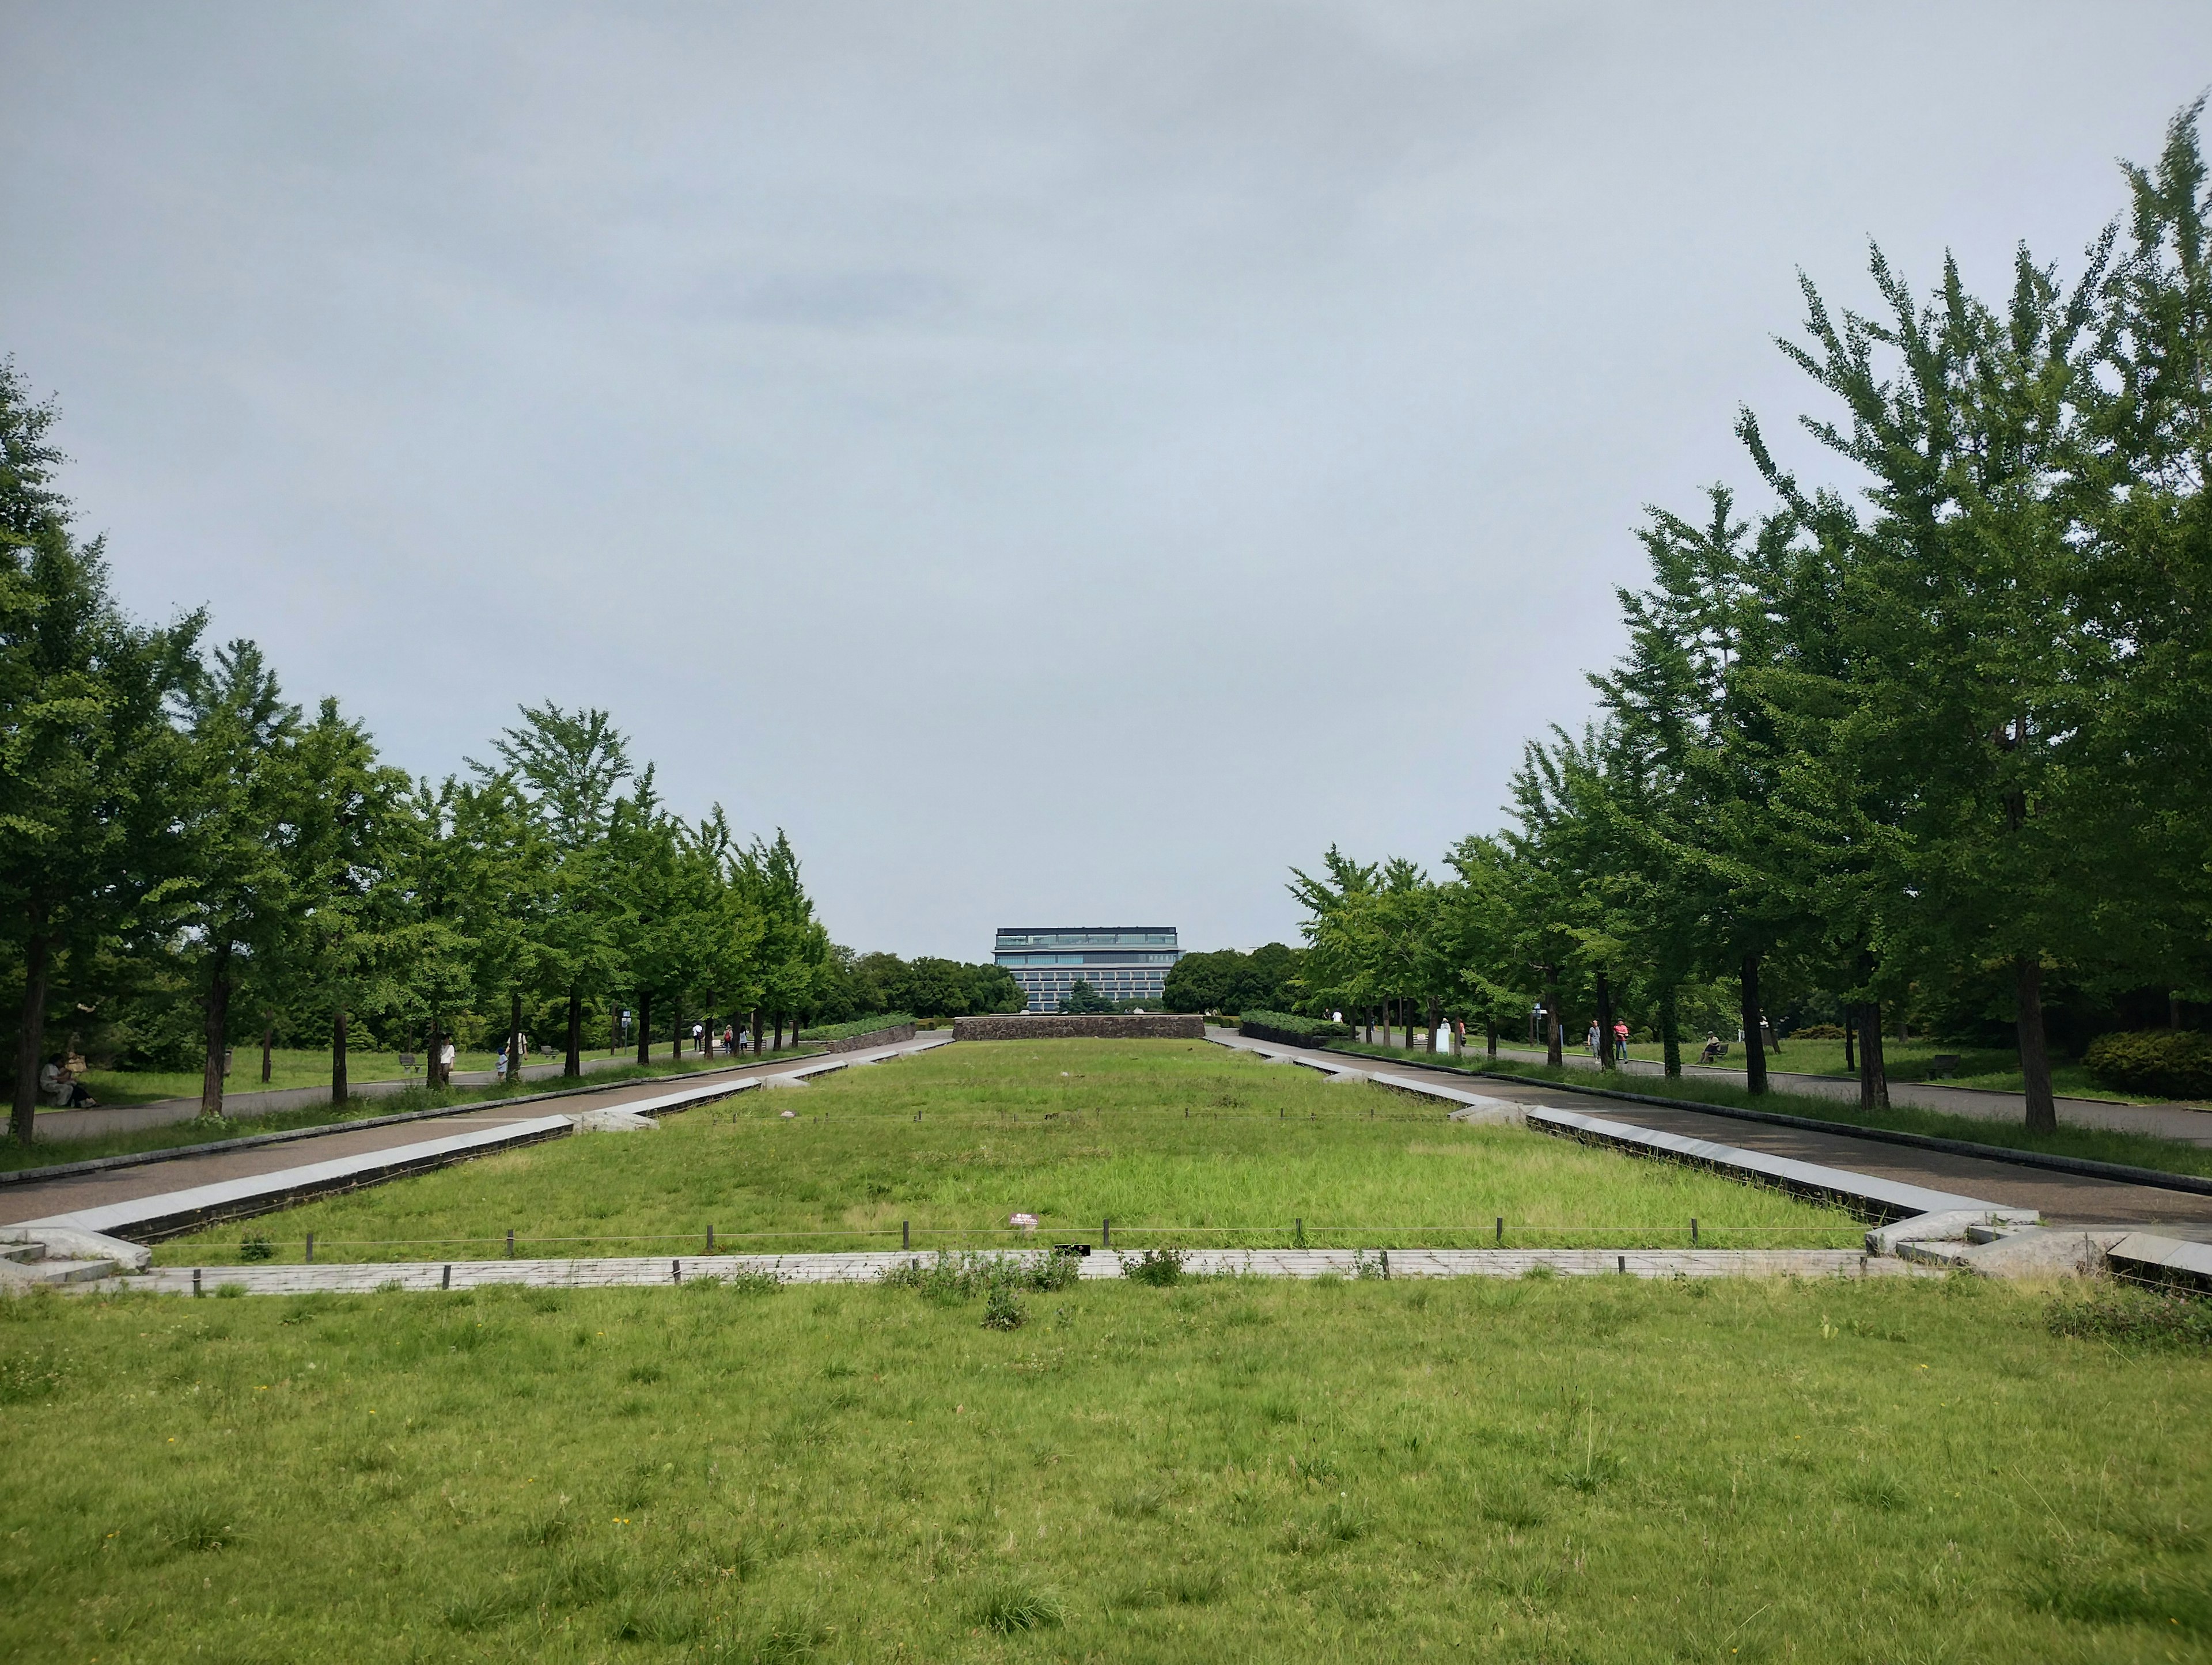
14 1274
22 1254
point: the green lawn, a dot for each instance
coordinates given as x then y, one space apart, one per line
1594 1470
175 1135
1181 1142
302 1066
290 1066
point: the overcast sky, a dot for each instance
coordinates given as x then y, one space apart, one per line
1064 463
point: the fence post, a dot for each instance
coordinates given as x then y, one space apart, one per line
710 1239
1501 1231
1105 1234
311 1249
1693 1230
445 1277
510 1243
906 1235
196 1283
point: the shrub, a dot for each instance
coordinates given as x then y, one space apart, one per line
964 1275
1002 1311
1816 1032
257 1247
858 1026
1155 1265
1287 1028
2172 1063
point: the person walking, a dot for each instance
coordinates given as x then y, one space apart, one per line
1621 1043
1589 1040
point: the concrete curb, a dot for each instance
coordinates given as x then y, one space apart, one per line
2082 1166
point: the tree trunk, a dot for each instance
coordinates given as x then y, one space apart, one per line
1436 1017
1670 1034
1369 1013
645 1026
1605 1059
339 1089
1874 1071
31 1037
268 1043
756 1031
2034 1045
1490 1037
434 1068
218 1024
572 1067
779 1031
1850 1031
514 1034
675 1029
1552 1028
1754 1052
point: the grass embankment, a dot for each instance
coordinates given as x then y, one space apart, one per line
2113 1144
177 1135
1591 1469
1175 1142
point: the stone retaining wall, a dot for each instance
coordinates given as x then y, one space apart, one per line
1056 1026
874 1037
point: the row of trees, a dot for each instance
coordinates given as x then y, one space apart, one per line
1227 980
1947 740
186 856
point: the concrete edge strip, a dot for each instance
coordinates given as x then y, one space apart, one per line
247 1141
150 1219
2141 1252
2085 1167
870 1266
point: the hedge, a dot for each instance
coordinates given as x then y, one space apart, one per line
858 1026
1287 1029
2169 1062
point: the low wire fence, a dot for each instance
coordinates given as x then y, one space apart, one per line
1499 1231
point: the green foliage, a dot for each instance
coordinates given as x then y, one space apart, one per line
1002 1311
1158 1266
1229 981
857 1026
1286 1029
2172 1063
1082 999
2140 1317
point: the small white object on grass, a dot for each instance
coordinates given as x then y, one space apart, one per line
1027 1222
790 1116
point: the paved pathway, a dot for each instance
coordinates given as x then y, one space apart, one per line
606 1271
244 1106
2062 1199
2185 1123
43 1198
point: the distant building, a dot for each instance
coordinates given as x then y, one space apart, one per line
1122 963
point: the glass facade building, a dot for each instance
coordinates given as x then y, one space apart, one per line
1122 963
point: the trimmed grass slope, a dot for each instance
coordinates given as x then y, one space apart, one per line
1173 1142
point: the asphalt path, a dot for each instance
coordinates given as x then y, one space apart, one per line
37 1198
2062 1199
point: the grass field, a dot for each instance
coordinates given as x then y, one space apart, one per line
177 1135
1178 1142
1593 1470
2134 1150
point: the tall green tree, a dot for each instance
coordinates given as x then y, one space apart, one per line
87 747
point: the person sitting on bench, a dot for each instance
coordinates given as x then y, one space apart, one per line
1715 1047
